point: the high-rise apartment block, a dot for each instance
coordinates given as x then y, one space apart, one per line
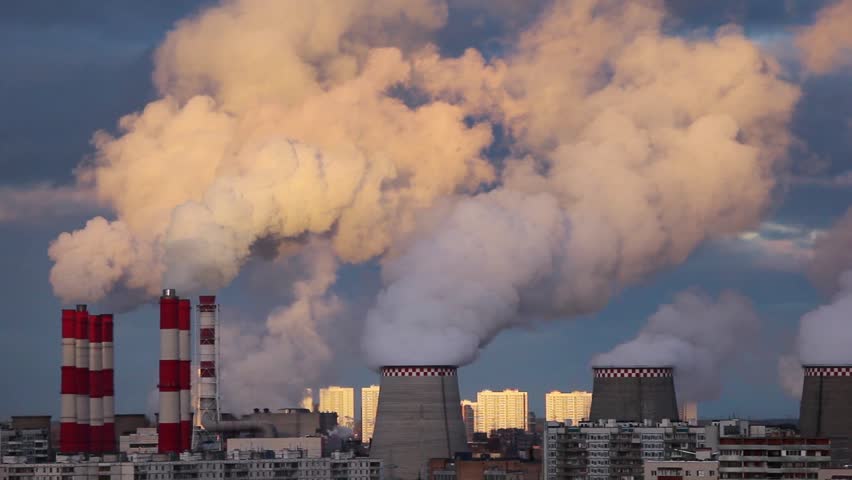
496 410
369 405
574 406
468 410
340 400
688 412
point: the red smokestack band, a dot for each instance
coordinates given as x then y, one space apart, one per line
82 362
169 416
68 388
107 379
184 323
96 391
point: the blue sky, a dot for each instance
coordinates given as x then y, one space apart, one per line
68 69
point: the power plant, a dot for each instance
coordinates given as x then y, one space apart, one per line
87 390
418 418
633 394
826 407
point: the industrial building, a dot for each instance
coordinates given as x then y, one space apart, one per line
826 408
633 394
369 407
418 418
506 409
290 465
561 406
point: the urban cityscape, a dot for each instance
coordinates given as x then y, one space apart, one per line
426 240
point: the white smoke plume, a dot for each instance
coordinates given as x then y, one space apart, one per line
825 333
697 335
44 201
826 45
278 121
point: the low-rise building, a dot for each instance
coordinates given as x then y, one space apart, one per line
289 466
143 441
312 446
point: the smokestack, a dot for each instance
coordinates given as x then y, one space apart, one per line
826 408
96 405
107 381
208 385
633 394
168 426
81 352
68 426
418 418
184 321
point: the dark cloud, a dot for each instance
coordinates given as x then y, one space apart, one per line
757 14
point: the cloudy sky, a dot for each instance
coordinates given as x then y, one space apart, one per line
72 69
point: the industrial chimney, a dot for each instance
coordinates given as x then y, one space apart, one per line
81 354
68 442
96 391
826 408
418 418
633 394
184 323
108 384
168 426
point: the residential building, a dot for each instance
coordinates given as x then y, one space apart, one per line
573 406
688 412
773 457
369 405
835 474
26 439
468 410
340 400
681 469
458 469
506 409
285 464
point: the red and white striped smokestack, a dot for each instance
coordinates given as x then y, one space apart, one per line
96 390
169 421
68 390
81 352
107 379
208 387
184 322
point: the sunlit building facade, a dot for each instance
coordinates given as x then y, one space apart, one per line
340 400
506 409
369 404
562 406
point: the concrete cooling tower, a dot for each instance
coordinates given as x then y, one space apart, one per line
418 418
826 408
633 394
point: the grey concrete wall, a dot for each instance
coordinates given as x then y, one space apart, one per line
418 418
826 411
634 399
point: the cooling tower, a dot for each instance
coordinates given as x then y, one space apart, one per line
826 408
418 418
633 394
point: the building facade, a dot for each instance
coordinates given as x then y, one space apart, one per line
445 469
773 457
369 405
688 412
340 400
143 441
468 411
25 439
279 466
496 410
562 406
681 470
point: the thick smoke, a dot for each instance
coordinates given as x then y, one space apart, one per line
625 149
825 333
827 44
697 335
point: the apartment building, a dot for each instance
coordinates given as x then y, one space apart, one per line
506 409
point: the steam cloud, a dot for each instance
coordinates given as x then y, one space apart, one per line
627 148
697 335
827 44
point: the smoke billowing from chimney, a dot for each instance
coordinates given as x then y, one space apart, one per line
308 128
697 335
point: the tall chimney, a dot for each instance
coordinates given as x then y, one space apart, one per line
81 345
68 425
826 408
184 322
107 380
96 405
633 394
169 420
208 387
418 418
